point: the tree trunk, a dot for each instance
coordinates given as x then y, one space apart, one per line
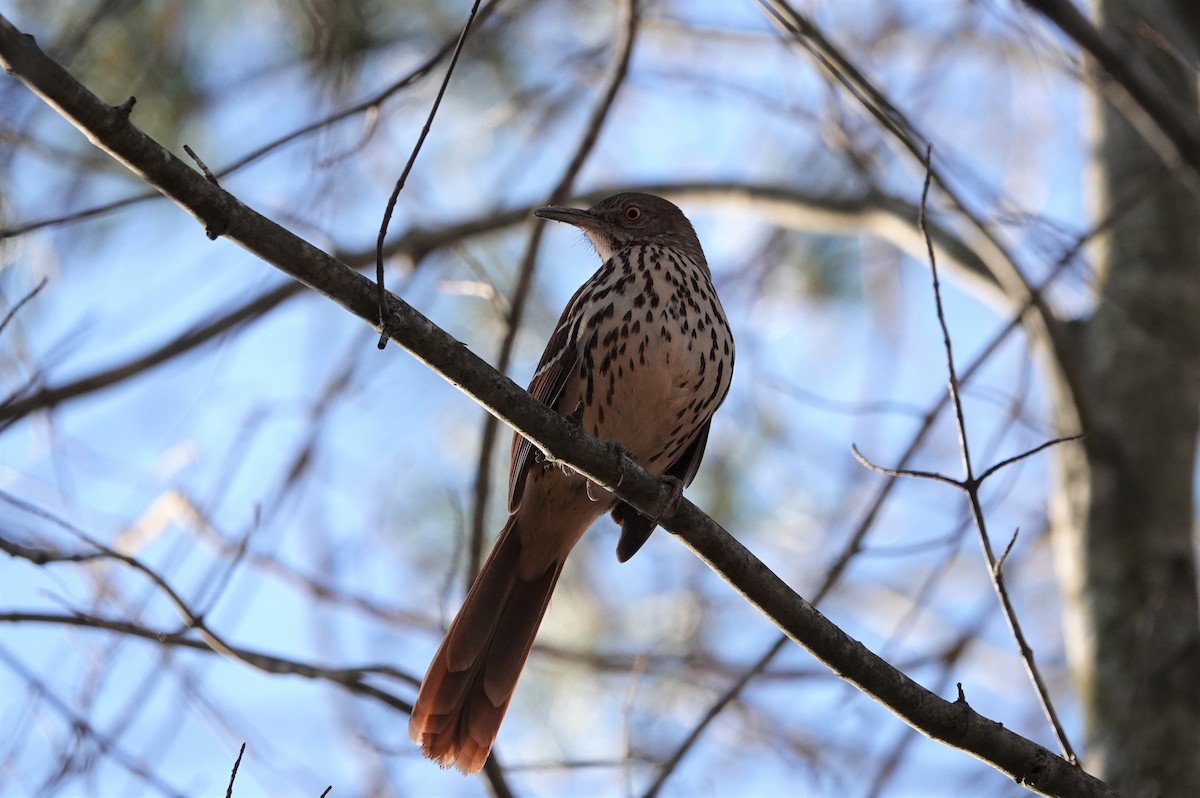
1123 522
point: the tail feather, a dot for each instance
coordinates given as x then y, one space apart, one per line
471 680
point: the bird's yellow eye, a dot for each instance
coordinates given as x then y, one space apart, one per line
633 213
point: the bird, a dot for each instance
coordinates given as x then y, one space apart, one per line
642 356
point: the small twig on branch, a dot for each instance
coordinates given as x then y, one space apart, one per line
233 775
998 568
412 159
208 175
1016 458
126 108
904 472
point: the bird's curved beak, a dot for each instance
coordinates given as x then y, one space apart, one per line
573 216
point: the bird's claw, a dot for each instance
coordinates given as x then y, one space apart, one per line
576 416
620 452
675 486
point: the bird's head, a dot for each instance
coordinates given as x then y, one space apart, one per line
631 218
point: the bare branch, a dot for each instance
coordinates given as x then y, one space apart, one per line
971 485
808 36
369 105
49 397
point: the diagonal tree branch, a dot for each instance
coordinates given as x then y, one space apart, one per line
954 723
370 107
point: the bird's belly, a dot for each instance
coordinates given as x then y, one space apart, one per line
650 401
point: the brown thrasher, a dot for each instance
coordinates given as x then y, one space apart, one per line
642 356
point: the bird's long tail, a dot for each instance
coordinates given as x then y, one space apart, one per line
471 680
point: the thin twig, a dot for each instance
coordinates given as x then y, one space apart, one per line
21 303
192 620
955 398
971 486
808 36
233 775
350 678
904 472
412 159
208 175
1028 453
109 746
998 568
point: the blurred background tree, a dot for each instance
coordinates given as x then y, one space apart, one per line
321 504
